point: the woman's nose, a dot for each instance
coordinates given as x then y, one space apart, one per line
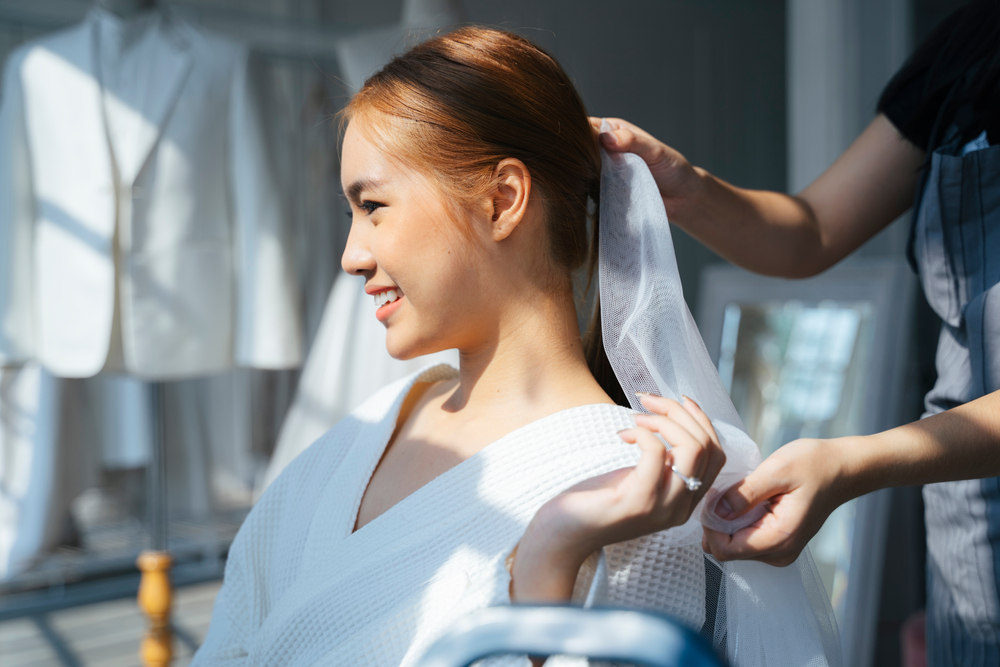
357 259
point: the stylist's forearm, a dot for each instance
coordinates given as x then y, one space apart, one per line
962 443
764 232
865 189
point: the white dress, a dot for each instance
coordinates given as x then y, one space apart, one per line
302 589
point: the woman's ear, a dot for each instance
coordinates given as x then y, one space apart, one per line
510 197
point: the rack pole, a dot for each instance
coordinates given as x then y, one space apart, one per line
155 592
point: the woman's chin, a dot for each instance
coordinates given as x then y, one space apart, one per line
404 348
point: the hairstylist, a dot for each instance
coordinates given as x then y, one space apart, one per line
935 141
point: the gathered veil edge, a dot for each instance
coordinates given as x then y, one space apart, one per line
763 615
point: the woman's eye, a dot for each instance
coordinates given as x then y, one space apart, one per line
369 207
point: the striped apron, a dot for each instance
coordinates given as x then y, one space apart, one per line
956 249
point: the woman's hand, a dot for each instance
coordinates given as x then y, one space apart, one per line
620 505
804 482
678 181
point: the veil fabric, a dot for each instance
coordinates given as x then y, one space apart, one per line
763 615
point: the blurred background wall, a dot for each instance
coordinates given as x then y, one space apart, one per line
706 76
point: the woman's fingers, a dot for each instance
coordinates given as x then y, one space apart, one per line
693 421
675 411
695 411
688 453
660 490
652 461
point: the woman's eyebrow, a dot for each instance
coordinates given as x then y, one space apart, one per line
354 190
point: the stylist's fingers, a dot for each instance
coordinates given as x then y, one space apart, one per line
675 177
777 538
750 543
754 489
624 137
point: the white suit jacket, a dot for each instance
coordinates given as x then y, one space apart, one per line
204 280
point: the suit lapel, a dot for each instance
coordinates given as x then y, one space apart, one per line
136 120
167 71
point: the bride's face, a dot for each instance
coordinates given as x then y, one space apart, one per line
429 280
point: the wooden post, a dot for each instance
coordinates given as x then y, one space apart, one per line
156 600
155 593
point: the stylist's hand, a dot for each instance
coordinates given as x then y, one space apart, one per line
678 181
804 482
620 505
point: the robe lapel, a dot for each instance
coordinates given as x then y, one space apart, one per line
338 505
341 496
415 562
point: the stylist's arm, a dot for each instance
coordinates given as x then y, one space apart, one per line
806 480
776 234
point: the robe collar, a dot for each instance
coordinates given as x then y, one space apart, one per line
432 517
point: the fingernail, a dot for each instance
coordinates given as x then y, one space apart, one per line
684 399
609 138
723 509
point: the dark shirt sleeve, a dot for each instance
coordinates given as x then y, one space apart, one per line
901 105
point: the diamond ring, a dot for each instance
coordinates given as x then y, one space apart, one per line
692 483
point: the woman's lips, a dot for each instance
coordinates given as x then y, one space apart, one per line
386 310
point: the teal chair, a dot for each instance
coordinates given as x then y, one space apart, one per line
629 636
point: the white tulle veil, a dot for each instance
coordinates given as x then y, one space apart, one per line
763 615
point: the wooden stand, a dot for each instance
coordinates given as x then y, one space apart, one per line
155 600
155 593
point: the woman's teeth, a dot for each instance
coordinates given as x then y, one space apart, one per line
388 296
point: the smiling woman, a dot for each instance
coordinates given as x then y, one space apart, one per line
474 177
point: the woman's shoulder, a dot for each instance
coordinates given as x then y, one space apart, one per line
597 418
585 434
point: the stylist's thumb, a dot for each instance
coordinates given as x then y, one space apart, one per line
674 175
754 489
621 136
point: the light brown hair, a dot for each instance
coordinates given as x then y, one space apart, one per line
460 103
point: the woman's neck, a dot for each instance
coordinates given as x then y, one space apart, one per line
533 364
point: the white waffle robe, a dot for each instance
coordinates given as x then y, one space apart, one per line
302 589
